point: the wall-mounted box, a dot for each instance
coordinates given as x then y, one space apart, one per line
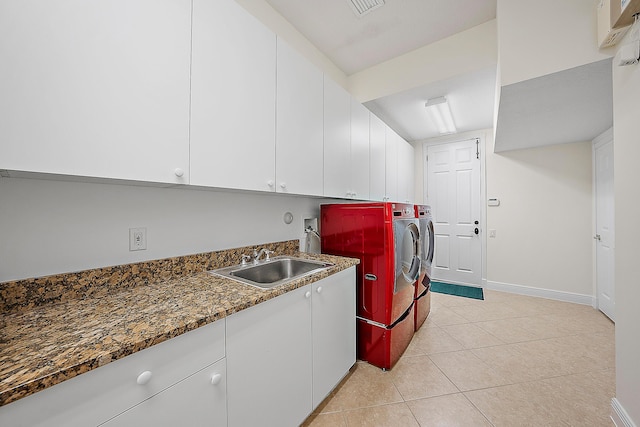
608 14
622 12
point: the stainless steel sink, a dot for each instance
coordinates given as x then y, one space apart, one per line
274 272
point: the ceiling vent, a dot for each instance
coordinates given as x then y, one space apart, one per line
362 7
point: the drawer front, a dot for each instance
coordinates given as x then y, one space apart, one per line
103 393
199 400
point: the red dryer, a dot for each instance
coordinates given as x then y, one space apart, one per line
422 299
385 237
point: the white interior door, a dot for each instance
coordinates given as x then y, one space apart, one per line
604 229
453 191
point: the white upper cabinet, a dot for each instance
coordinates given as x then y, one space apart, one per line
337 142
377 142
406 167
391 165
233 98
299 124
96 88
359 151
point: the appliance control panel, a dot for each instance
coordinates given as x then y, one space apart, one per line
402 210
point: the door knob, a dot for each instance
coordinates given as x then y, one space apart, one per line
597 237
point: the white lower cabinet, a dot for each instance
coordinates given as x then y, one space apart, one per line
333 326
97 396
268 365
199 400
285 356
269 362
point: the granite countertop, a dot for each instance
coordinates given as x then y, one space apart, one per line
53 342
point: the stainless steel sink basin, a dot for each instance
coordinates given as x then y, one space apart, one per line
274 272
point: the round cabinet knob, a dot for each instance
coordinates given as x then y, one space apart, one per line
216 378
307 294
144 377
179 172
270 183
283 185
319 289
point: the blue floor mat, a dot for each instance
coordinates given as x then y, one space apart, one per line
457 290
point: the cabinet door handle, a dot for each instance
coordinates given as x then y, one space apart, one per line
283 185
319 289
144 377
179 172
307 294
270 183
216 378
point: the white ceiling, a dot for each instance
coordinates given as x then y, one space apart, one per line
470 97
398 27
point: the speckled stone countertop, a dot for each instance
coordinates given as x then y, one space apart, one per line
46 343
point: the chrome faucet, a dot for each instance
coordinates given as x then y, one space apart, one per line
257 254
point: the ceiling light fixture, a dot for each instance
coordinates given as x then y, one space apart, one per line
362 7
440 113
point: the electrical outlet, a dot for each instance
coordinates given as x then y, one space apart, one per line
137 239
492 233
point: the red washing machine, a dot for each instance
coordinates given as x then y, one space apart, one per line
422 298
385 237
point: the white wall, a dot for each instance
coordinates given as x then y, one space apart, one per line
544 221
460 54
536 38
283 28
51 227
626 111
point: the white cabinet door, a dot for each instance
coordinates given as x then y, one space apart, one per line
337 144
299 124
406 168
269 362
233 98
391 165
96 88
334 331
359 151
377 172
199 400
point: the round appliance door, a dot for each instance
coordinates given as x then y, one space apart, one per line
427 239
407 253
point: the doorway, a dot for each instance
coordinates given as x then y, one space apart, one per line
453 191
604 224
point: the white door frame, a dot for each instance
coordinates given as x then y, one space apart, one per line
484 137
602 139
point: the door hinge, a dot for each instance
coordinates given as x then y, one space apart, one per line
478 148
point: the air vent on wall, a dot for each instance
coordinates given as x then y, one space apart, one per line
362 7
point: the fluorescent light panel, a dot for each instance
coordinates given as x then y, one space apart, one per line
439 111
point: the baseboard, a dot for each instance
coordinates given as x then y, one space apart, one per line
541 293
619 416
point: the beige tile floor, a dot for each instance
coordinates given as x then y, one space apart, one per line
509 360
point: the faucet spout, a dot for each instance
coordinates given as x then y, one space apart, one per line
257 254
